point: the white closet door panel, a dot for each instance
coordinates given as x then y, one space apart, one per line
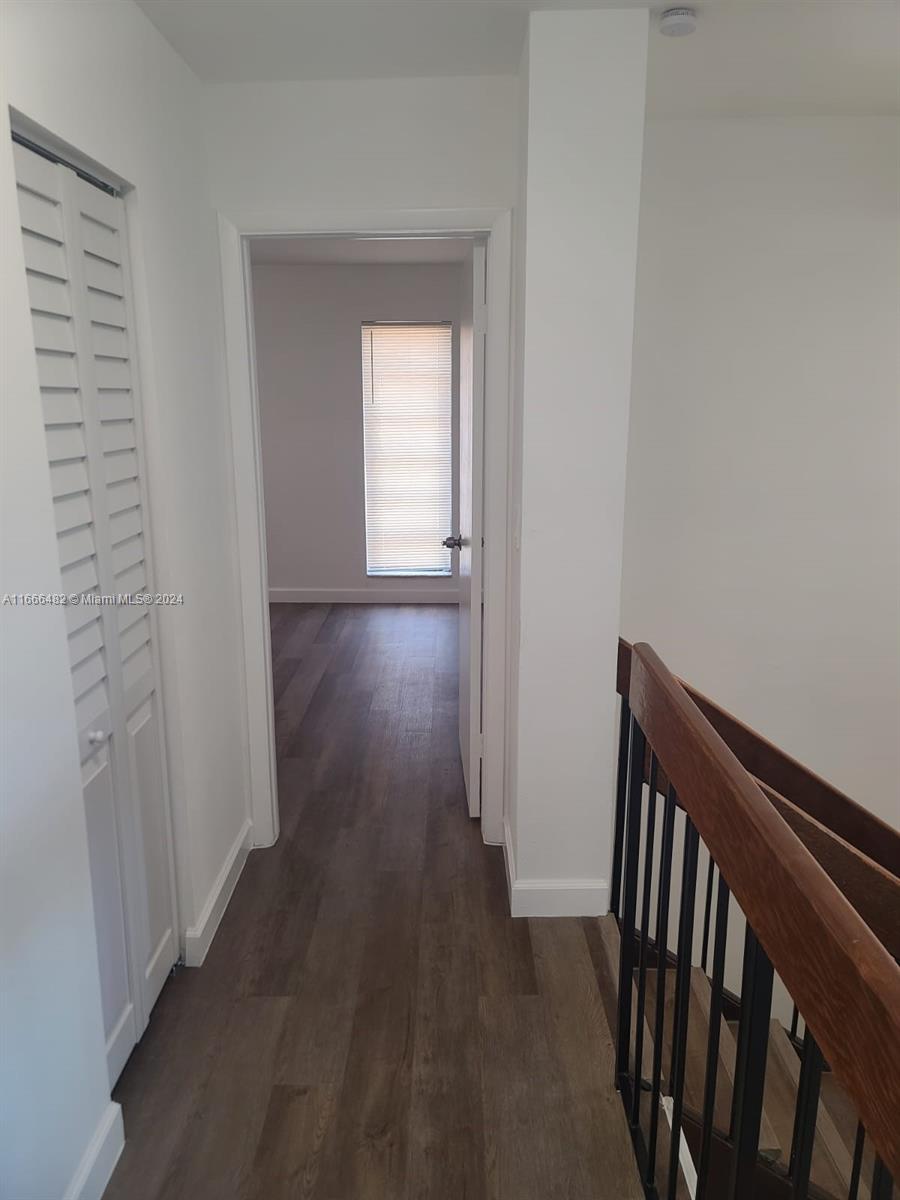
44 256
106 309
117 435
126 494
78 615
81 576
88 673
104 276
65 442
106 883
135 668
127 554
75 545
100 206
52 332
41 196
68 477
92 712
135 636
132 580
76 266
40 214
57 370
123 525
36 173
112 373
120 466
72 511
100 240
48 295
115 406
130 614
61 408
85 641
109 340
146 759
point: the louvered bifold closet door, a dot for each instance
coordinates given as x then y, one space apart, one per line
76 262
106 326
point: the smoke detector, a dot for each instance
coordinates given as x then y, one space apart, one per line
678 22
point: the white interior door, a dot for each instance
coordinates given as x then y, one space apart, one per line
76 263
471 476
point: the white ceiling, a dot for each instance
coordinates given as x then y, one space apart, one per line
747 56
359 250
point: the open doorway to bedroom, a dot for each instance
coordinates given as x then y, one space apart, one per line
369 371
357 360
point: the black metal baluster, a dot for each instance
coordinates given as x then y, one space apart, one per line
882 1183
742 1030
707 911
621 793
750 1074
805 1116
856 1170
795 1016
642 957
662 934
715 1024
682 993
629 900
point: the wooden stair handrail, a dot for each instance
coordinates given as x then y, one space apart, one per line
841 977
789 778
873 891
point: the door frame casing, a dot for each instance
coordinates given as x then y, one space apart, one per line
236 229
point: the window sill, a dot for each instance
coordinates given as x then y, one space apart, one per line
409 574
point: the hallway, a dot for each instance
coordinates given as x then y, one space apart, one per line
370 1024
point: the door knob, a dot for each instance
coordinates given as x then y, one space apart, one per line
96 737
453 542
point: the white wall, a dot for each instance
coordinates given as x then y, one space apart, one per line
307 319
585 112
100 77
517 355
362 144
762 544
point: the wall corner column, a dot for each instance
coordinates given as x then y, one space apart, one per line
576 266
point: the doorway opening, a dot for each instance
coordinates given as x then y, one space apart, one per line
370 405
373 394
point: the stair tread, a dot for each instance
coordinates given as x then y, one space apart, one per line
832 1160
845 1117
609 931
770 1146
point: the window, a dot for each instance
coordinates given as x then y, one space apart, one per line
407 414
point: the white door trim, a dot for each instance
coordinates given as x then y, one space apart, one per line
250 517
235 229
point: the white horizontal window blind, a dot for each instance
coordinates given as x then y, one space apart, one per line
407 413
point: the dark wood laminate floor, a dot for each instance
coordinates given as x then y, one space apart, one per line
370 1023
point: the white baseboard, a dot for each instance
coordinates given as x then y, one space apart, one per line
99 1159
394 594
198 938
552 897
559 898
